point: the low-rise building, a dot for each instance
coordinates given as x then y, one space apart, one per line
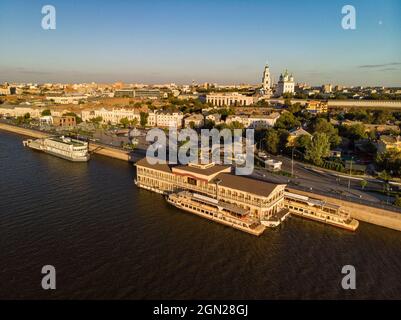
262 121
194 121
138 93
215 117
229 99
113 116
295 134
316 107
64 121
389 143
67 99
7 90
165 119
20 111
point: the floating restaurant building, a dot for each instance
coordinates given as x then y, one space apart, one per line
261 199
213 192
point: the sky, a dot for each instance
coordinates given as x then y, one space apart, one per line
224 41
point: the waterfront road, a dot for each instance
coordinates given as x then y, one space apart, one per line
334 184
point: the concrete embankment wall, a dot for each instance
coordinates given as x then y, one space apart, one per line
93 147
23 131
109 152
377 216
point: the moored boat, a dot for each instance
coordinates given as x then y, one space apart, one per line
219 211
62 147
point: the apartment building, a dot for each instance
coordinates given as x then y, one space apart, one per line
165 119
113 116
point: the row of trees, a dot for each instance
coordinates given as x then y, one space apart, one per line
370 117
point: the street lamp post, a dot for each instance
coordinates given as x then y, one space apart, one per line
292 162
350 170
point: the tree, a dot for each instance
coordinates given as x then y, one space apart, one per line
272 141
144 119
389 161
209 124
318 148
287 121
302 142
236 125
283 137
364 183
134 122
323 126
46 112
295 108
125 122
96 120
397 201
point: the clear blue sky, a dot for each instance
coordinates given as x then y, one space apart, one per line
225 41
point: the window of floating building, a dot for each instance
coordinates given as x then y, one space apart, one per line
192 181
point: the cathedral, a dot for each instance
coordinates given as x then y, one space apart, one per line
285 84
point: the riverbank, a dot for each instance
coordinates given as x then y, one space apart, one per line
377 216
93 147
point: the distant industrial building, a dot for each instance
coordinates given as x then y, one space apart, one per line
138 93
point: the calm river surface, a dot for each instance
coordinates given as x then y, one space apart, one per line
108 240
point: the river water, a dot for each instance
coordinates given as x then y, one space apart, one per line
110 240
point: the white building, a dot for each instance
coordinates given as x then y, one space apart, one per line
18 111
215 117
165 119
285 84
262 121
68 99
254 121
113 116
229 99
197 120
266 82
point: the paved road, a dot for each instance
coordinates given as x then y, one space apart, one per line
323 181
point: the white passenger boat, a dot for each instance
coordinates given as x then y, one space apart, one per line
62 147
219 211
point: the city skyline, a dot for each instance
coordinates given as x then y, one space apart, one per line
225 42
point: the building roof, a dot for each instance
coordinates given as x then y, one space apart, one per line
158 166
387 139
257 187
202 171
299 132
